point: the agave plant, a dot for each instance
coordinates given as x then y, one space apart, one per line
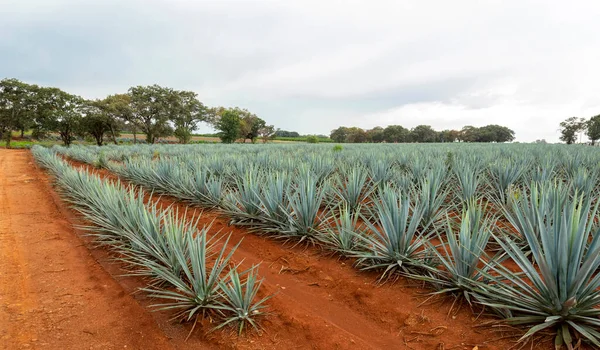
198 293
559 287
460 252
394 243
354 188
504 174
431 193
240 306
341 232
305 203
275 202
469 179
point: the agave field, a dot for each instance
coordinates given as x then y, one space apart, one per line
512 230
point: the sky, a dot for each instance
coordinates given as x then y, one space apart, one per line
314 65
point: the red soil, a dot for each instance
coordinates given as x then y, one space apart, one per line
66 297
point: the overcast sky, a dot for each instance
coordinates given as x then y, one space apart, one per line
313 65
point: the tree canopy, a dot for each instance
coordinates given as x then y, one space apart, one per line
422 134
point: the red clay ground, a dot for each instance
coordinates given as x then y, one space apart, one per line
57 292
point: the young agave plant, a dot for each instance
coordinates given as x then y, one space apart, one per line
584 181
275 203
198 292
559 287
503 174
341 233
431 193
354 188
244 204
239 291
460 252
305 203
469 179
395 244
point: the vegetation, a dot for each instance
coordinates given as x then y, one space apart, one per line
154 110
422 134
189 272
533 206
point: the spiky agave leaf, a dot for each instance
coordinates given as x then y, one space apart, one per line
559 286
394 243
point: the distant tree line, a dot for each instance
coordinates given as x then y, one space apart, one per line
155 111
422 134
571 127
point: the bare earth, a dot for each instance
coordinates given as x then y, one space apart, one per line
53 294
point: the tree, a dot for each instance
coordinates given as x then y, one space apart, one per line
16 106
593 129
448 135
395 133
340 134
65 114
229 125
356 135
375 135
152 107
423 133
469 134
495 133
186 113
98 122
284 133
117 108
250 125
569 129
267 133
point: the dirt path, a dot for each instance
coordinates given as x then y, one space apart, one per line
53 294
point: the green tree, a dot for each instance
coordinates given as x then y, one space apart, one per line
250 125
375 135
267 133
395 133
448 135
16 107
284 133
569 129
423 133
98 122
153 106
117 108
340 134
187 111
495 133
65 114
356 135
593 129
229 125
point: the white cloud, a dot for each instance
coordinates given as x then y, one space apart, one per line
311 65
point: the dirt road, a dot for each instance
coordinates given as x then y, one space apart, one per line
53 294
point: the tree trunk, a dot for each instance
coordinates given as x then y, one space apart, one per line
22 132
8 136
113 136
